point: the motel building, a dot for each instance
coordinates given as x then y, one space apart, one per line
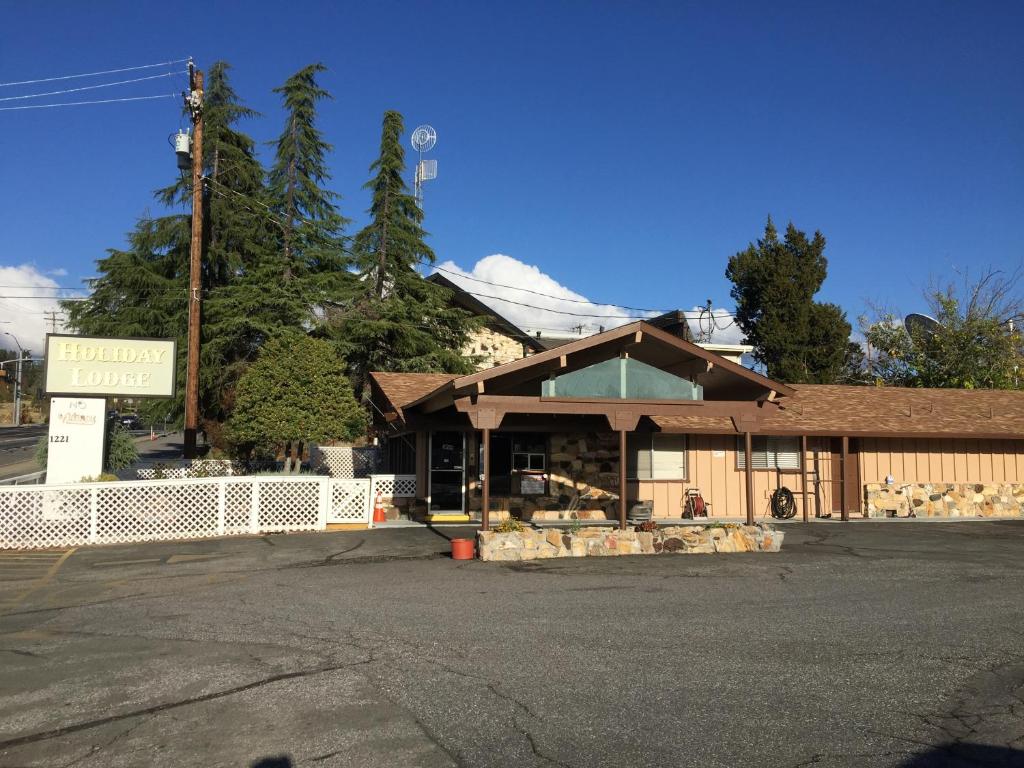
559 434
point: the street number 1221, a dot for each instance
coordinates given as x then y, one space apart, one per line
58 438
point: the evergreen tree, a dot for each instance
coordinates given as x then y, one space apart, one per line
797 339
312 263
391 318
143 289
270 410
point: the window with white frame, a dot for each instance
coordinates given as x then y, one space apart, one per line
770 453
656 456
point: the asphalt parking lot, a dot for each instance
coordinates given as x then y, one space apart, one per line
864 644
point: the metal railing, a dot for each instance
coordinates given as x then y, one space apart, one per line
33 478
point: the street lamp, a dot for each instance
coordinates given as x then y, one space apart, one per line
17 380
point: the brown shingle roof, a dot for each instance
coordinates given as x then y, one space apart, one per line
712 424
832 409
821 409
400 389
896 410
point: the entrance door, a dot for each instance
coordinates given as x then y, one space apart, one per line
447 472
846 487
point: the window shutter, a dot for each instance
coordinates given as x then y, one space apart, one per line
786 452
770 453
668 457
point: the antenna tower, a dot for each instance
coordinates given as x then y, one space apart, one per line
423 140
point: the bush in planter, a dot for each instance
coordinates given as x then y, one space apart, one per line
509 525
646 526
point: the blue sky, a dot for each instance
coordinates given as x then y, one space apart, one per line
626 150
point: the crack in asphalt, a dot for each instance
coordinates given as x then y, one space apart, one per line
158 708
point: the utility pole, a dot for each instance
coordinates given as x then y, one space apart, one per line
17 380
51 318
194 104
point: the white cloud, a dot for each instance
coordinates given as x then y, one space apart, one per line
544 313
24 317
58 272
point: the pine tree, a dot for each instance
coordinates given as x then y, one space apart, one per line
797 339
312 261
391 318
143 290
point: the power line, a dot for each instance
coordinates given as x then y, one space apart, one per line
97 101
92 74
89 87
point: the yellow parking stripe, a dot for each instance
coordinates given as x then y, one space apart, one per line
41 582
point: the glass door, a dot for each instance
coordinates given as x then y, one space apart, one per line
447 472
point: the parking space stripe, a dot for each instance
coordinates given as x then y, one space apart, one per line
39 577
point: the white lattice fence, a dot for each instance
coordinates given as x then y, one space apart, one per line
31 518
350 501
393 486
157 510
346 462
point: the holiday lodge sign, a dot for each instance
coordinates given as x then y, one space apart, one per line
87 366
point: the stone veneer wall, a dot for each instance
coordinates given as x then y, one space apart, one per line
578 462
531 544
493 348
944 500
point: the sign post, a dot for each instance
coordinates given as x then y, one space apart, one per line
75 449
80 373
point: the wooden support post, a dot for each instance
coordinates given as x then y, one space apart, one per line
622 479
485 515
749 473
803 472
844 458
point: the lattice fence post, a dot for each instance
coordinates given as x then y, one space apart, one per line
325 503
254 510
222 492
93 514
368 504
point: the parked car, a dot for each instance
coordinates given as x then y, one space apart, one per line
131 421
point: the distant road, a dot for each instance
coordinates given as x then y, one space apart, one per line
17 438
18 445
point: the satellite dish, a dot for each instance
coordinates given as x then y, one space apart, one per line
921 326
424 138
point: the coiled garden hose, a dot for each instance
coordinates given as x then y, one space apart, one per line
783 504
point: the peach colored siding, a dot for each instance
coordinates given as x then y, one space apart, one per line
940 461
712 468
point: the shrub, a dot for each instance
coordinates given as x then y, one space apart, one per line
510 525
121 450
296 391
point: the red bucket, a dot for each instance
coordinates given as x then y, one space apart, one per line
463 549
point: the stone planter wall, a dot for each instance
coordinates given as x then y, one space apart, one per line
944 500
532 544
